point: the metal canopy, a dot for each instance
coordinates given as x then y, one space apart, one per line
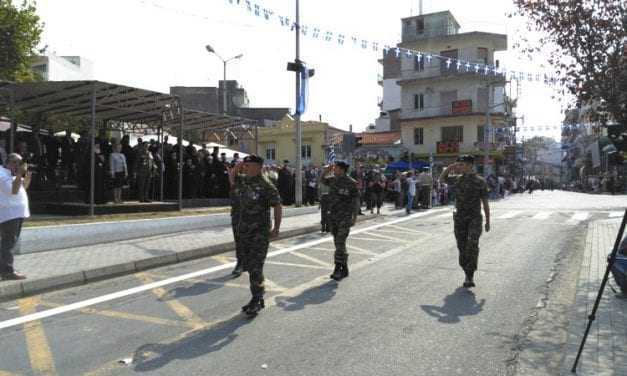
123 106
116 103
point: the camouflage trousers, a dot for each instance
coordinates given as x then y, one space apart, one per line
340 228
467 232
251 250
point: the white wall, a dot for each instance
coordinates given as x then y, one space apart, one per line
391 95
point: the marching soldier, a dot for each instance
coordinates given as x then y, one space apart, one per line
472 191
252 196
343 208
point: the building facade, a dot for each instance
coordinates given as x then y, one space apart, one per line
211 99
278 143
63 68
444 108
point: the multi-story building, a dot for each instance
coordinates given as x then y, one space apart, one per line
63 68
277 143
444 107
211 99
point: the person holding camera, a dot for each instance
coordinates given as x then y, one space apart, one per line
14 181
472 191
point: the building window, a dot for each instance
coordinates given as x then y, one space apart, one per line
480 133
419 64
419 102
420 26
305 152
271 152
482 55
452 67
419 134
453 134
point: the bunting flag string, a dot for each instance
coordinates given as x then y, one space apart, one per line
342 40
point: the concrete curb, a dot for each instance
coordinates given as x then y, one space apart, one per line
16 290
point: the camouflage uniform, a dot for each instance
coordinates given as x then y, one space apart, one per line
251 200
343 201
471 189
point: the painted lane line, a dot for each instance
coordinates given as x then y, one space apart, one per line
311 259
509 215
542 216
578 217
41 359
616 214
143 288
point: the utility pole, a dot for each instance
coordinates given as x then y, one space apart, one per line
299 131
486 134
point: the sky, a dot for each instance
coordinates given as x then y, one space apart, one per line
155 44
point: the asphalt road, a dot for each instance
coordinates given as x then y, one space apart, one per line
401 312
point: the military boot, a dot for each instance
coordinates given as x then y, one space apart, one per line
338 272
239 269
344 270
256 304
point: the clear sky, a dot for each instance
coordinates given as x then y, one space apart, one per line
155 44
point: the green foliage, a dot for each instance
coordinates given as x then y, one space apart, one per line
585 42
20 34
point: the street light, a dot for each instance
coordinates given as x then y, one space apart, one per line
211 50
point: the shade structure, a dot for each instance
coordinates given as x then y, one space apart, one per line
112 105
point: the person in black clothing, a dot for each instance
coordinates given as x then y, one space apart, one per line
285 183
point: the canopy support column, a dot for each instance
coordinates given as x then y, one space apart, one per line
92 150
179 141
162 167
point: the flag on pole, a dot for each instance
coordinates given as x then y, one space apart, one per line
331 158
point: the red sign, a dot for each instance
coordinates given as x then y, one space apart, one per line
448 147
462 107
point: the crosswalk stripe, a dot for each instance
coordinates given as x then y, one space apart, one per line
578 217
509 215
542 216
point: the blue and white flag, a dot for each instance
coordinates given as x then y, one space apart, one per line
331 158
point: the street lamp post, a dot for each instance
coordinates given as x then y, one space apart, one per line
211 50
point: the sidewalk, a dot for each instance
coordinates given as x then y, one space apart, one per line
79 265
605 352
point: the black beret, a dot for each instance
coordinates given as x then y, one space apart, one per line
253 159
466 158
342 165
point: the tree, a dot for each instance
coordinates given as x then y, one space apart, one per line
20 34
585 41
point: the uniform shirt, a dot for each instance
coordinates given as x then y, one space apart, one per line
117 163
11 206
425 179
470 189
251 200
343 194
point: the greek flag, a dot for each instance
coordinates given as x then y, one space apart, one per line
331 158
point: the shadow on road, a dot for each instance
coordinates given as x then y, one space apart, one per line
153 356
460 303
199 288
313 296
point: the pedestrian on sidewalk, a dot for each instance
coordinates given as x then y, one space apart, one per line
343 207
252 197
14 181
411 191
472 191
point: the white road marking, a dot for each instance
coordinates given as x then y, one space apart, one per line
509 215
542 216
578 217
150 286
616 214
448 215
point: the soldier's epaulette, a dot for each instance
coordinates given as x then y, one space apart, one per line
267 181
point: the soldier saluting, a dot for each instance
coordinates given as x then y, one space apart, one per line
471 192
343 206
252 196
